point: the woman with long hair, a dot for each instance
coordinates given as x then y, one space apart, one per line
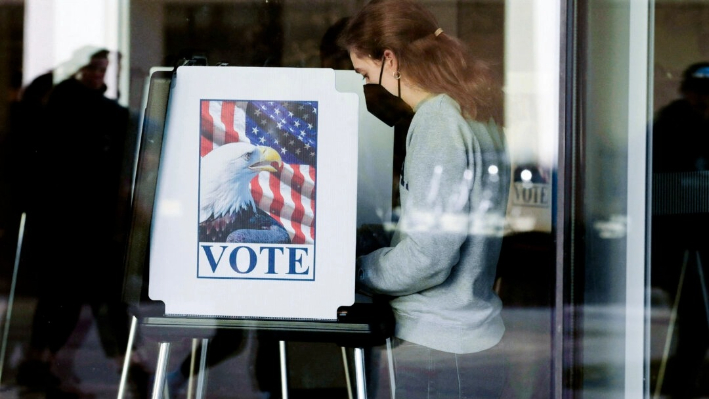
440 267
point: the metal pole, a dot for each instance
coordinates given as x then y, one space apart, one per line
392 376
703 284
160 370
190 379
359 373
11 297
347 372
670 329
202 377
126 359
284 369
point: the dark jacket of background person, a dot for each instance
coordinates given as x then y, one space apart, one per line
680 160
79 156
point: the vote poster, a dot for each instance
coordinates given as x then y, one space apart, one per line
256 206
257 189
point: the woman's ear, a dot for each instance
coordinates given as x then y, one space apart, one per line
392 63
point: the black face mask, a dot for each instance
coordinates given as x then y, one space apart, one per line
387 107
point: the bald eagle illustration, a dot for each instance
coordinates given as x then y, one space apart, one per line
227 211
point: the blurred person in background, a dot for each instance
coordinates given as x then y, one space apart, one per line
74 246
680 158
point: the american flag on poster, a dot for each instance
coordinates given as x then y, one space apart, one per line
290 128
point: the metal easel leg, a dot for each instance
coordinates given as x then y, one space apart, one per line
11 297
392 375
345 363
161 370
671 329
202 376
359 373
190 379
703 283
284 369
126 359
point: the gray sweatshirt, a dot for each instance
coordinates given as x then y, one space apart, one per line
441 264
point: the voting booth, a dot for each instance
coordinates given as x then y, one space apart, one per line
250 185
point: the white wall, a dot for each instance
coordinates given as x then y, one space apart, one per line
532 74
60 35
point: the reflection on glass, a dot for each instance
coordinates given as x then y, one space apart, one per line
508 35
679 328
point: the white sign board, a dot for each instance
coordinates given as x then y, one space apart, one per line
247 154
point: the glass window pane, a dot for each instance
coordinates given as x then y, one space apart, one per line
678 293
607 107
70 167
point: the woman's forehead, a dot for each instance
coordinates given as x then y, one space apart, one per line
362 61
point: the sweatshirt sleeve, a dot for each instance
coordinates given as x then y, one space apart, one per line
434 220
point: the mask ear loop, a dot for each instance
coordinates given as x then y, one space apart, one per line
397 76
381 71
398 82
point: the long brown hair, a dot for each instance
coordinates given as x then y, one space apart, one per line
437 63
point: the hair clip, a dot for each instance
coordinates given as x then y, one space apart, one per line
701 73
438 32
